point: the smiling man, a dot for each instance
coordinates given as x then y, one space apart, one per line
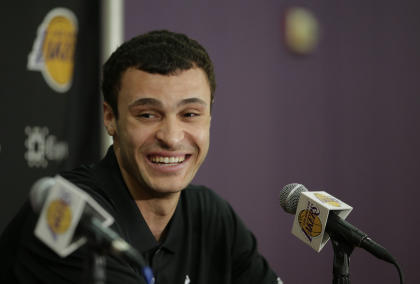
158 93
161 136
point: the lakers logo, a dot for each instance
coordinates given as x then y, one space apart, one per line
59 216
54 48
309 222
328 199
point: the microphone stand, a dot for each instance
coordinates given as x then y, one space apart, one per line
95 272
96 269
342 252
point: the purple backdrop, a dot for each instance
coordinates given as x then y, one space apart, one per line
344 120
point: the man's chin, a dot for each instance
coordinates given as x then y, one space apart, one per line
167 190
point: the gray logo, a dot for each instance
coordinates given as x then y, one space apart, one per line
41 147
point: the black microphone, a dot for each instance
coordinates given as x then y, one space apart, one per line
91 227
337 228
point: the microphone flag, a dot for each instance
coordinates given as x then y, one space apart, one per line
312 215
61 213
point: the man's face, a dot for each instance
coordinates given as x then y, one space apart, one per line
161 136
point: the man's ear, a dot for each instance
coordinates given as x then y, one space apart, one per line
109 120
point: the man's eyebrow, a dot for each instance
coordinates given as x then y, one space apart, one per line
157 103
192 101
145 101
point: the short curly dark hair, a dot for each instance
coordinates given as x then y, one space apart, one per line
157 52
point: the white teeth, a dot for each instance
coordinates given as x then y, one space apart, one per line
167 160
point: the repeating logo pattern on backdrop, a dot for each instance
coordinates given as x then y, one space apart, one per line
41 146
54 48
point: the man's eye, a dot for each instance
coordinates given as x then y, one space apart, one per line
147 115
190 114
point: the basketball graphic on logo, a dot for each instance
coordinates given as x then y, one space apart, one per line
310 223
59 216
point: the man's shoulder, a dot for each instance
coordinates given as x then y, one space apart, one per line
94 179
202 199
80 173
96 175
203 193
84 176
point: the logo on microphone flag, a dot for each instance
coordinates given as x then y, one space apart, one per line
309 221
59 217
328 199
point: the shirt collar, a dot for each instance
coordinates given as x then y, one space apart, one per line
176 228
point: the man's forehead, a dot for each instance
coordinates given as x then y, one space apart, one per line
140 88
192 75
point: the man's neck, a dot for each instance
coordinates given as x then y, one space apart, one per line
156 209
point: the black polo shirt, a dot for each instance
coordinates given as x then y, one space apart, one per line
205 241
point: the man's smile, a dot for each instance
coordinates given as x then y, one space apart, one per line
168 159
168 163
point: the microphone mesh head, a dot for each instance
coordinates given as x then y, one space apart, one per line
289 196
39 192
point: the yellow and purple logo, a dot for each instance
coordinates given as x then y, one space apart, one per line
309 221
328 199
54 48
59 217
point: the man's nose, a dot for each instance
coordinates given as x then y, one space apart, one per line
170 133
